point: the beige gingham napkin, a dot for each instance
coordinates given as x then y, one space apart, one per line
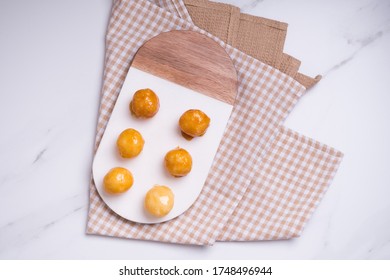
265 180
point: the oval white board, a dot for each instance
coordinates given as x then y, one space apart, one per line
161 134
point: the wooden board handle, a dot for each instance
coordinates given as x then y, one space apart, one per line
192 60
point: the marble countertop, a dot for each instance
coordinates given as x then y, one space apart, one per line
51 61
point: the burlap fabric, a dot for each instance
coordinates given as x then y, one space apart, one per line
258 37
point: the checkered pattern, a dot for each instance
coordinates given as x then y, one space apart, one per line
290 182
176 7
265 180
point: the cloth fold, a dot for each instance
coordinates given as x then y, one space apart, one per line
290 182
253 135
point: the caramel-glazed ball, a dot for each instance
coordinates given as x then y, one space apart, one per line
194 123
145 103
130 143
159 201
118 180
178 162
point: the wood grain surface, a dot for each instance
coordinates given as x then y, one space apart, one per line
192 60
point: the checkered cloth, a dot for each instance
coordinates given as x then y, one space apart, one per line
265 180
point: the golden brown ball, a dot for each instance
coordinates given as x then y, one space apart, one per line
178 162
145 103
130 143
194 123
118 180
159 201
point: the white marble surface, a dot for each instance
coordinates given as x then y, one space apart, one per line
51 61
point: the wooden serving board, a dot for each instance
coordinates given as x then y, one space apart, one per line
192 60
187 70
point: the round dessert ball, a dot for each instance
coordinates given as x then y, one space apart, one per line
118 180
130 143
194 123
145 103
178 162
159 201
